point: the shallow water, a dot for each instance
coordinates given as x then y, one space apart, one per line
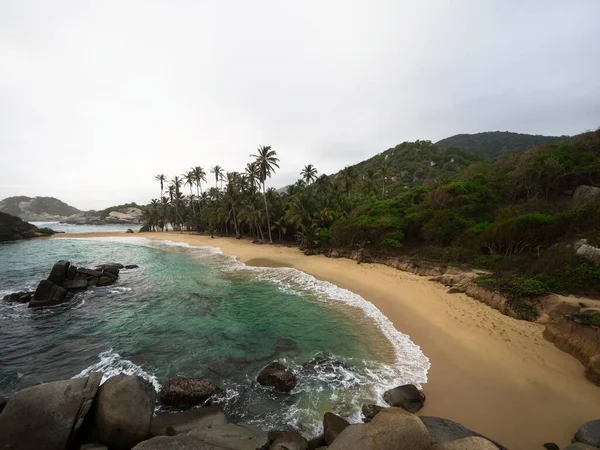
77 229
191 311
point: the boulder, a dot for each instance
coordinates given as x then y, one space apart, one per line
48 294
588 252
2 403
369 411
187 392
89 272
277 376
233 437
72 272
579 446
181 442
317 442
131 266
589 433
49 413
123 411
444 430
105 281
19 297
333 425
395 428
585 194
407 397
182 422
353 437
59 272
470 443
93 446
287 440
551 446
75 285
110 270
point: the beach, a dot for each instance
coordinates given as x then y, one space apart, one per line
494 374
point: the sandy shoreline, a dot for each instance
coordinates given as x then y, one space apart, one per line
492 373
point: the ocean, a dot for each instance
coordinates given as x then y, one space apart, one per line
194 312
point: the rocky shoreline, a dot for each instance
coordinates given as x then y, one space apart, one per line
119 414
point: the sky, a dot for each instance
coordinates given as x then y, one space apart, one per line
98 97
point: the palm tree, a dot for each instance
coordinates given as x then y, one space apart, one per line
266 161
309 173
232 187
218 171
162 179
199 177
384 172
176 196
190 179
348 177
369 181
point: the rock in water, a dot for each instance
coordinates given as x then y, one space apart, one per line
187 392
123 411
48 294
47 416
333 425
59 272
444 430
369 411
407 397
277 376
230 436
182 422
395 428
353 437
287 440
131 266
589 433
470 443
74 285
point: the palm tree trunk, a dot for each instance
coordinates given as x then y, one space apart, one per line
267 211
237 233
192 202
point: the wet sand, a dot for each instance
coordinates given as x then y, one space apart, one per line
494 374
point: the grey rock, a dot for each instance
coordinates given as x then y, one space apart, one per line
353 437
48 294
369 411
105 281
407 397
182 422
585 194
89 272
277 376
110 271
589 433
47 415
59 272
181 442
443 430
2 403
288 440
588 252
333 425
75 285
123 411
188 392
131 266
579 446
470 443
233 437
395 428
18 297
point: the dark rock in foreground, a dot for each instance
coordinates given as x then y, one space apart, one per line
2 403
182 422
48 294
59 272
277 376
369 411
333 425
470 443
18 297
181 442
407 397
395 428
188 392
232 436
48 415
353 436
444 430
287 440
589 433
123 411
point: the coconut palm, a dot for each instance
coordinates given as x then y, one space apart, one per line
309 173
384 172
161 179
232 191
190 180
348 178
199 177
218 171
266 161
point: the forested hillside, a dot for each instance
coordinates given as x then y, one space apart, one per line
34 208
492 144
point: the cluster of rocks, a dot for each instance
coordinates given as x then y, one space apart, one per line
64 280
119 414
121 215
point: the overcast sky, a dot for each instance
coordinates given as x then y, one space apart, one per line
97 97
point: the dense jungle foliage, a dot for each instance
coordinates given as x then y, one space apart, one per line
515 216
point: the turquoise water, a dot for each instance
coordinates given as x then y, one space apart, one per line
191 311
72 228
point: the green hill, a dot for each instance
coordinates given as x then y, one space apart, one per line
13 228
493 144
36 208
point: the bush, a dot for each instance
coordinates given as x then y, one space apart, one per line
44 231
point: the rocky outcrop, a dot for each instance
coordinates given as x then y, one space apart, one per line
48 294
395 428
353 436
587 252
589 433
13 228
407 397
188 392
127 214
287 440
333 425
37 209
277 376
122 412
585 193
369 411
182 422
48 415
231 436
444 430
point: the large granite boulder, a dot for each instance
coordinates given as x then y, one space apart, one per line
353 437
59 272
333 425
585 193
123 410
188 392
182 422
287 440
444 430
395 428
181 442
589 433
277 376
48 294
48 415
470 443
407 397
588 252
230 436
